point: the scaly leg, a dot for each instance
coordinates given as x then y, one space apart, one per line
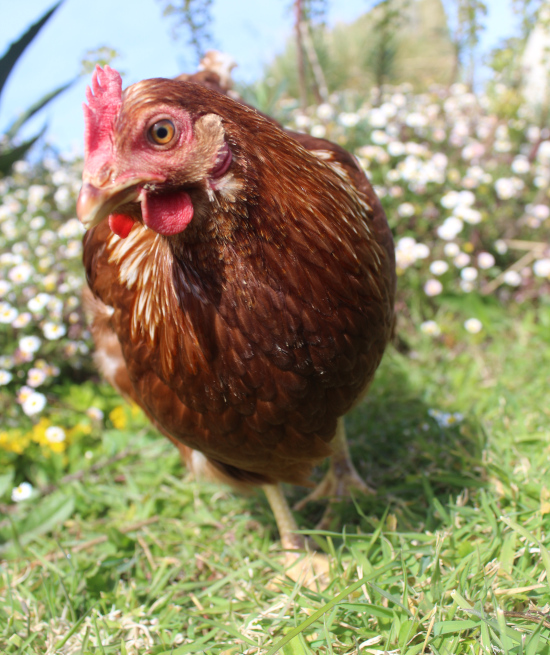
310 569
340 479
286 522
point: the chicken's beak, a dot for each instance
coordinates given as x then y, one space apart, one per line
96 203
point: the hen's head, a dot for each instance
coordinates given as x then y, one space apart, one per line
153 153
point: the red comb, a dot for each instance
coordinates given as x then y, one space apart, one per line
102 108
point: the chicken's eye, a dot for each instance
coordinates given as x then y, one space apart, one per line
162 132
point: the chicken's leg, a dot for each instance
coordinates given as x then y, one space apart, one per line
309 568
283 516
340 479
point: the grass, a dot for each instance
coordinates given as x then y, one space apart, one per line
448 556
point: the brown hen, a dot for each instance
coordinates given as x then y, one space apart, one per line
241 278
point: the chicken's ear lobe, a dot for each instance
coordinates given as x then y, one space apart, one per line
209 132
209 137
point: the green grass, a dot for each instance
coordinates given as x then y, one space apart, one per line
448 556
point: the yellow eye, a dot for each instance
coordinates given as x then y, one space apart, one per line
162 132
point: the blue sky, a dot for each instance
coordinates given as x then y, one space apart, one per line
252 31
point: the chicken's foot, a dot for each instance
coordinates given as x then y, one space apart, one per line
340 479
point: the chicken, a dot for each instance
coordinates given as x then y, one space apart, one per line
241 280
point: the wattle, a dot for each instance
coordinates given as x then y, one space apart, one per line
167 213
121 224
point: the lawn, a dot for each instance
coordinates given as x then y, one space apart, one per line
449 555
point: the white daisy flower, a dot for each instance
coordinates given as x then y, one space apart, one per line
5 286
406 209
542 212
318 131
461 260
485 260
72 228
379 137
29 344
421 251
34 403
38 303
94 413
21 273
22 320
541 268
23 394
5 377
37 222
431 328
55 434
438 267
396 149
450 228
8 314
473 325
53 331
469 274
349 119
433 287
7 361
521 165
36 377
512 278
22 492
508 187
325 111
74 247
501 246
451 249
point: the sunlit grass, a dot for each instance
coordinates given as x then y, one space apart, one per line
451 549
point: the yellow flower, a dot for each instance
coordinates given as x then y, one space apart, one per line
39 432
79 430
118 417
136 410
14 441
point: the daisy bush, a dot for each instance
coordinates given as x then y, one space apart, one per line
51 409
466 191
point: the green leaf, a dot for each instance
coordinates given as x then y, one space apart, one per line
120 540
295 647
373 610
390 597
50 513
520 530
531 645
8 159
407 631
6 482
322 610
545 555
100 581
448 627
508 552
11 132
16 49
195 647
